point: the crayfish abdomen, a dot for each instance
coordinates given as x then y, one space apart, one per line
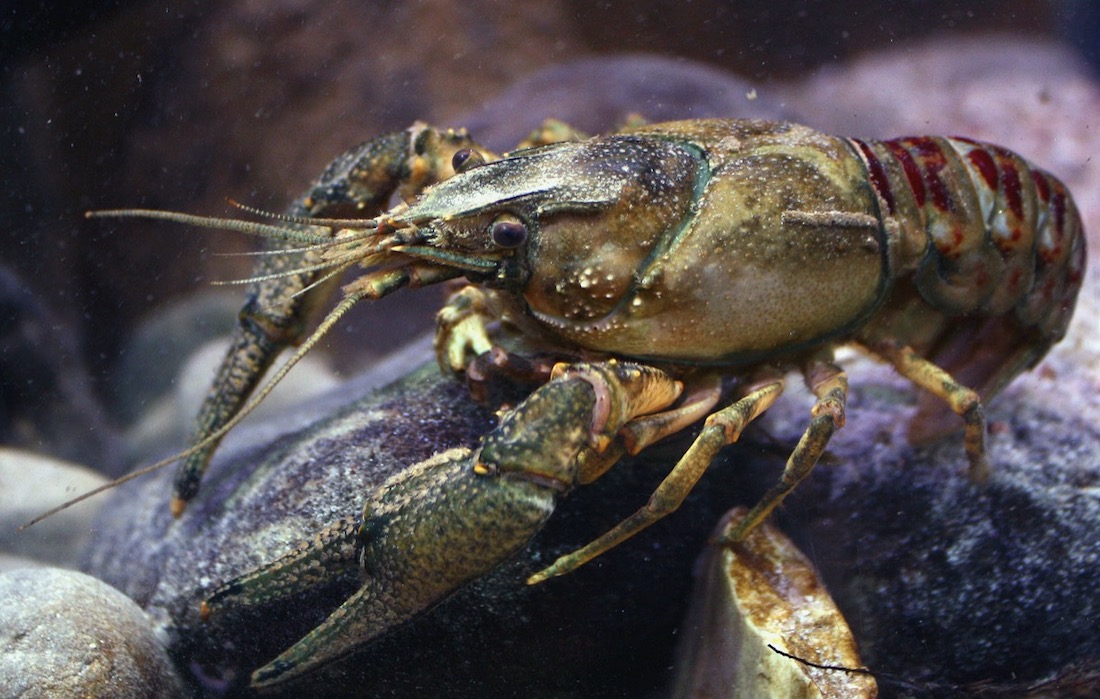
994 248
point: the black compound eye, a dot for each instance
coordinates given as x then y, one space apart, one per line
465 158
508 234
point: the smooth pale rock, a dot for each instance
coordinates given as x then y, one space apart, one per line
30 484
66 634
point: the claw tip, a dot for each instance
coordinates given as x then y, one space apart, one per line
178 505
540 577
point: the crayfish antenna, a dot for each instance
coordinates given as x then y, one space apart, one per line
387 285
96 491
330 320
262 230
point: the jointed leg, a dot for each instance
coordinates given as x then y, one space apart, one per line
639 433
721 428
963 401
700 397
460 329
830 384
462 344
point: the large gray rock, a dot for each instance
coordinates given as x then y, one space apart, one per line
994 582
604 631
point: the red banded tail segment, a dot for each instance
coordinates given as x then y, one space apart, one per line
1059 258
991 233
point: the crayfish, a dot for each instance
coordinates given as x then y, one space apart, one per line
686 252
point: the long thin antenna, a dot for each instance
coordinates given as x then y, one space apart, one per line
263 230
331 319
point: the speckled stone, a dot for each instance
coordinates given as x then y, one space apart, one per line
994 582
66 634
495 637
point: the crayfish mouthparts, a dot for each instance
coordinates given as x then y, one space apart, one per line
543 480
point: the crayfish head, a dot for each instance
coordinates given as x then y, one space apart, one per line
567 225
486 247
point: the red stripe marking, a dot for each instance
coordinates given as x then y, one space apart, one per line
909 166
1041 186
932 161
1058 208
984 164
1010 180
878 175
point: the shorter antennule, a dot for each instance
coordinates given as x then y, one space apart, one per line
354 223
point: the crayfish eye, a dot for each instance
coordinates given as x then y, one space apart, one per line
508 234
464 159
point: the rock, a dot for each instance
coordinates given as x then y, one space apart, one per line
47 402
65 634
151 358
616 88
756 604
171 419
995 583
953 86
604 631
30 484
